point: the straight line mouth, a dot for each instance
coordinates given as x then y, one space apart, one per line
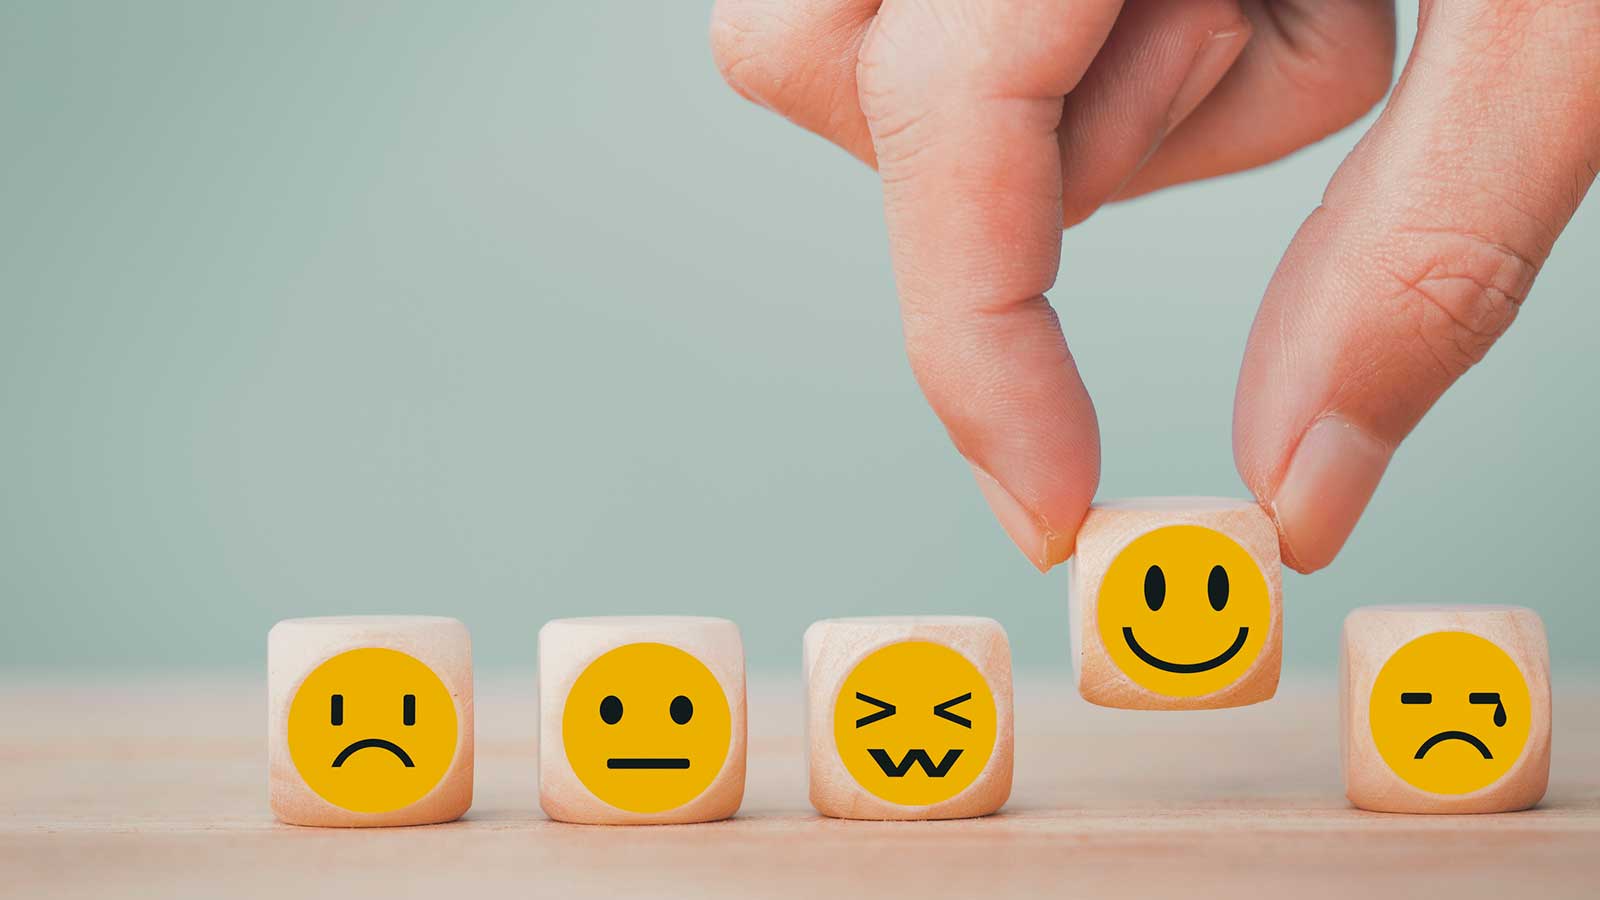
1443 736
1185 668
647 762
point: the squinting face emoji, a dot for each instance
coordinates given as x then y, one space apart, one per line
646 727
914 723
1184 611
372 730
1450 712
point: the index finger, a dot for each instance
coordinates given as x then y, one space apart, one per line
963 100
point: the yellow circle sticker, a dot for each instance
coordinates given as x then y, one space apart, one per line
647 727
1184 611
914 723
1450 712
372 730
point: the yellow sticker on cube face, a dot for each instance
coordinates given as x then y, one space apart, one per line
647 727
914 723
1450 712
1184 611
372 730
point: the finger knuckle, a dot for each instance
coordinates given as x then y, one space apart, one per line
1458 295
1346 65
895 114
753 52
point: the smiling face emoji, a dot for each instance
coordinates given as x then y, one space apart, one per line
1184 611
646 727
1450 712
372 730
914 723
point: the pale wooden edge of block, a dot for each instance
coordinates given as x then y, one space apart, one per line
1369 782
568 646
841 644
295 649
1099 680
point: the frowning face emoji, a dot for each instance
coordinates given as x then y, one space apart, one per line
1450 712
914 723
1184 611
647 727
372 730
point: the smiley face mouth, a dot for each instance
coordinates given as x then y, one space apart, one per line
1443 736
378 743
1184 668
647 762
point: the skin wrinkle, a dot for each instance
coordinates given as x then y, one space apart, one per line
1478 236
1457 334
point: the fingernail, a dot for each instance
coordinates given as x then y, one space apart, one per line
1210 63
1330 479
1029 532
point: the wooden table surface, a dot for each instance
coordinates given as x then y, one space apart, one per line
156 786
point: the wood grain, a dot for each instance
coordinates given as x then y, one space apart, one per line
158 787
296 647
1110 527
833 647
1370 638
568 646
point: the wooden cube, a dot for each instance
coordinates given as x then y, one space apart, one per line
642 719
1176 603
370 720
1444 709
908 717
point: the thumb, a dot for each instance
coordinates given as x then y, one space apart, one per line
1428 239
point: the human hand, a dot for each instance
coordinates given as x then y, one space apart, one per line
996 123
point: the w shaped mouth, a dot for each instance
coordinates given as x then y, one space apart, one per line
1443 736
918 756
378 743
1184 668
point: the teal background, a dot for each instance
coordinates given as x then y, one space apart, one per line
509 311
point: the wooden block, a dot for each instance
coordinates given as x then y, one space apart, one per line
642 719
1176 603
908 717
370 720
1444 709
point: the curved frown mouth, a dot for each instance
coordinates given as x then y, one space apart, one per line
1443 736
1184 668
378 743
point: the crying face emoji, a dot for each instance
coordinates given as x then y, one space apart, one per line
914 723
1450 712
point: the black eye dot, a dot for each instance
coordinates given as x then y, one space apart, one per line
1217 588
336 711
611 709
1155 588
682 710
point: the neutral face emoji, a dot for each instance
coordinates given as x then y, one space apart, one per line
372 730
1184 611
914 723
1450 712
646 727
